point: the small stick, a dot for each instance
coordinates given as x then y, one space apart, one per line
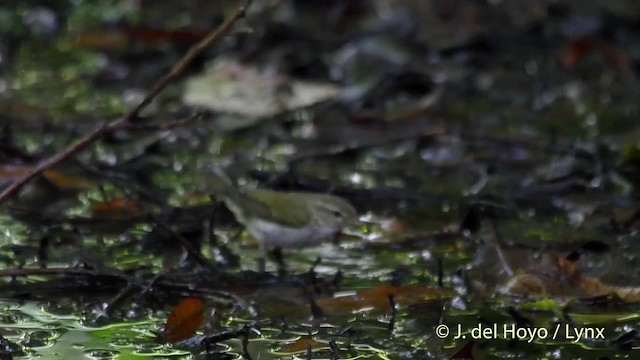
244 337
335 352
224 336
316 312
119 298
497 242
392 305
62 271
309 352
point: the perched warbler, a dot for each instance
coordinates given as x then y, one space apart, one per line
284 219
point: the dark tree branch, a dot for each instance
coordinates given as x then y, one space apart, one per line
125 120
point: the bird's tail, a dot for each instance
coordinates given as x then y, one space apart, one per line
222 186
225 190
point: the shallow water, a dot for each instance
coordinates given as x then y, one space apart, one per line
517 145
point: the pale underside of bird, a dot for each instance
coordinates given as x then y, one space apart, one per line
298 220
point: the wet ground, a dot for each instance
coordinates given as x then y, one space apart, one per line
490 148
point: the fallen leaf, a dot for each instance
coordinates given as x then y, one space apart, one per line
26 114
378 298
159 37
66 182
117 208
184 320
120 39
595 287
230 87
558 276
303 344
577 50
10 173
102 40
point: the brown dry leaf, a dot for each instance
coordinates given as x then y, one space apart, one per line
10 173
117 208
197 199
303 344
595 287
120 39
184 320
27 114
103 40
66 182
525 283
161 37
577 50
558 276
378 298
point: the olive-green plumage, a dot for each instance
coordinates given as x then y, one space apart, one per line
284 219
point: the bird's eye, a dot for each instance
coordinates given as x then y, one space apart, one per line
337 214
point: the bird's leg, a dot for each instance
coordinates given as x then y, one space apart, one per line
262 261
279 259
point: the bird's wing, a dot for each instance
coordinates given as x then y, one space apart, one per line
281 208
261 203
237 200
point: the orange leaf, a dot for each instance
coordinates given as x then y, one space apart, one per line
10 173
378 298
160 36
302 344
184 320
66 182
583 47
117 207
558 276
105 40
595 287
576 51
198 199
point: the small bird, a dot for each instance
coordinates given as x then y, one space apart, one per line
281 219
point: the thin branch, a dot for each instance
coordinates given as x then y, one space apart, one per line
63 271
496 241
224 336
106 128
131 280
124 294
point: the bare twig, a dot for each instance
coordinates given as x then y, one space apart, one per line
496 241
335 352
64 271
392 319
224 336
131 280
119 299
106 128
